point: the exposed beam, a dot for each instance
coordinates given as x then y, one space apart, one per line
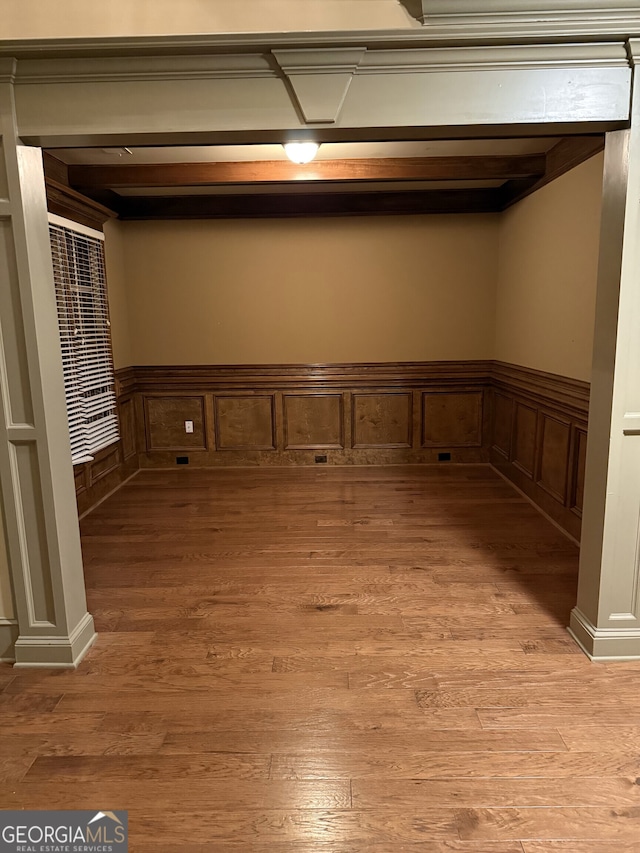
55 169
330 204
281 171
565 155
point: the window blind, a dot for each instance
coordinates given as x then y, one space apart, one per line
83 318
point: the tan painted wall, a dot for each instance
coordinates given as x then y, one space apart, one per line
116 284
311 290
547 272
22 19
6 599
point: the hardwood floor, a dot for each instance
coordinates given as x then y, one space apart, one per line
336 660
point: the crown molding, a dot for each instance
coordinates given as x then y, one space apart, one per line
446 23
8 69
529 18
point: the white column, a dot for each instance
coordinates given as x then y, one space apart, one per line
606 619
35 462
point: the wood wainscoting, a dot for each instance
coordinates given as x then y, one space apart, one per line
530 425
539 438
289 415
116 463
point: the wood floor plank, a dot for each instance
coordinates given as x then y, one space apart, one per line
561 716
39 724
14 768
470 697
339 847
450 741
606 737
339 827
392 764
206 678
216 795
408 795
582 846
68 742
396 717
588 824
84 768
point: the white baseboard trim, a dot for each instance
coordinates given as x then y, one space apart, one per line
604 644
56 652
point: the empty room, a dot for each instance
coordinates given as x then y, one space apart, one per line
319 468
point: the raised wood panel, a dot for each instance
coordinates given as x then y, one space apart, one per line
525 424
165 418
542 420
127 415
502 424
313 421
105 462
553 464
103 475
245 422
382 420
579 465
80 479
452 419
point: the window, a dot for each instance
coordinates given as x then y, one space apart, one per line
83 317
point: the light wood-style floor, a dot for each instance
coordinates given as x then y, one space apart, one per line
333 660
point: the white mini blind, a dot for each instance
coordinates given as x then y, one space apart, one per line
83 318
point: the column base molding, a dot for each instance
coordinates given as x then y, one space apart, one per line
8 636
602 644
56 652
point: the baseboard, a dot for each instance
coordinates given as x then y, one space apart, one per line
536 506
604 644
56 652
109 494
8 636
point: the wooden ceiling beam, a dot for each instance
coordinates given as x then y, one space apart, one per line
485 168
566 154
316 204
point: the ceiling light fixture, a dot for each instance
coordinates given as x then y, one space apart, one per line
301 152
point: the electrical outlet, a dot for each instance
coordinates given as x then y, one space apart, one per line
321 459
444 457
188 426
182 460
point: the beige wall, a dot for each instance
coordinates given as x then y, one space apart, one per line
519 287
77 18
547 272
116 283
311 290
6 599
